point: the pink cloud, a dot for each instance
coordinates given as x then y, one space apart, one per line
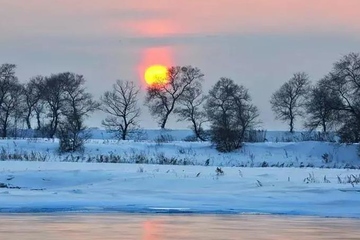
269 15
169 17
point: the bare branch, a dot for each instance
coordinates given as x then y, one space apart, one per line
288 102
121 105
163 99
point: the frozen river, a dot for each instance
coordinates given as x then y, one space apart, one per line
160 227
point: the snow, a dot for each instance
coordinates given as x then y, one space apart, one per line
181 135
293 178
99 187
289 154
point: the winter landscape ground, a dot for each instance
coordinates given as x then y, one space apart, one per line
148 176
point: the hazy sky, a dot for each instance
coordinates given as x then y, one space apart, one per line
258 43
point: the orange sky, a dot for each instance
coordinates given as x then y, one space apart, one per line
164 17
260 16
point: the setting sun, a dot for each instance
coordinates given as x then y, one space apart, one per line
156 74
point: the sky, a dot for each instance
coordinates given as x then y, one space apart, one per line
257 43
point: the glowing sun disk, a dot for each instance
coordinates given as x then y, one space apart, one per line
156 74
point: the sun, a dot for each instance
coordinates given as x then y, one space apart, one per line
156 75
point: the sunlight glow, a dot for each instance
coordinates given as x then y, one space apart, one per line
156 75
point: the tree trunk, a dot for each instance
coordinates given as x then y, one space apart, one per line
54 126
291 118
28 123
123 134
125 130
167 115
38 121
4 132
4 127
197 131
198 135
324 126
164 121
291 124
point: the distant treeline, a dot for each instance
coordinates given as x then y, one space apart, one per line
57 105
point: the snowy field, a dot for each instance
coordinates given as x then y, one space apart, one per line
294 178
101 187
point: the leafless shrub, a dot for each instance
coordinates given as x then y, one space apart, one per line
254 136
219 171
311 178
164 138
326 180
258 183
327 158
352 179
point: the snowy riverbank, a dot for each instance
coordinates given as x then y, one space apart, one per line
61 186
269 154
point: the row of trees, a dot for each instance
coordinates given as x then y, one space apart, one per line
59 104
332 103
227 106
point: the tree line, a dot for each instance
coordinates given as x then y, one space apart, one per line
59 104
331 104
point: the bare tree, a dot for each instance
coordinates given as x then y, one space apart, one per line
77 105
121 105
230 113
32 97
288 102
320 107
10 98
344 81
10 108
7 77
163 98
52 93
40 107
247 114
191 109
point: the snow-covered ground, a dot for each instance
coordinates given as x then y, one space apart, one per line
183 134
300 178
268 154
62 186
